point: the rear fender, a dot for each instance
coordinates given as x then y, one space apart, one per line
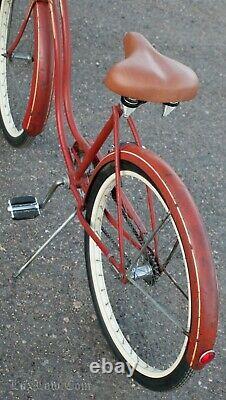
204 289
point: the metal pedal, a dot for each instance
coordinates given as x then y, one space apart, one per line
24 207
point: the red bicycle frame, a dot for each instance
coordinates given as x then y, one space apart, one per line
63 58
77 166
83 154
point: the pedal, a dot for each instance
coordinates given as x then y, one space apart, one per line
24 207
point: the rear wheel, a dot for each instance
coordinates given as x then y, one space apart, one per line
16 72
139 334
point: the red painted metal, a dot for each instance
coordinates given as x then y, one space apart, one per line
119 191
126 235
58 84
90 152
134 131
204 291
150 205
43 69
90 155
132 214
22 28
83 144
150 198
197 251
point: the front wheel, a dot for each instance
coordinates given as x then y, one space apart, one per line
138 333
26 76
15 74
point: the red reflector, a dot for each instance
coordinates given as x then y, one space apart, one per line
207 357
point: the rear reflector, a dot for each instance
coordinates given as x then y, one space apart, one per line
207 357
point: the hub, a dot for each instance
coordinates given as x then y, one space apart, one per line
142 272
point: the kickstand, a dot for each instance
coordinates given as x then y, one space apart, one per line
35 255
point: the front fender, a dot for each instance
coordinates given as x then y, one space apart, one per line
43 71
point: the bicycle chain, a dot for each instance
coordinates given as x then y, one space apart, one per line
113 241
150 254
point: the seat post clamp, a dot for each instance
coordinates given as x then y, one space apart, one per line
130 105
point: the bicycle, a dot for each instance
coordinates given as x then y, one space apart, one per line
144 237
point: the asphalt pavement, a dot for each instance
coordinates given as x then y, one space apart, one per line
49 333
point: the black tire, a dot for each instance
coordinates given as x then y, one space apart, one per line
182 371
11 106
21 141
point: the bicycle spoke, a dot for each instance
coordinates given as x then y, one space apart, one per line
149 240
164 270
175 283
16 83
159 307
166 262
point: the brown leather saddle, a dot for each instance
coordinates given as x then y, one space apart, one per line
147 75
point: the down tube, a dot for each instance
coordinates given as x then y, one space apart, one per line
83 144
58 80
